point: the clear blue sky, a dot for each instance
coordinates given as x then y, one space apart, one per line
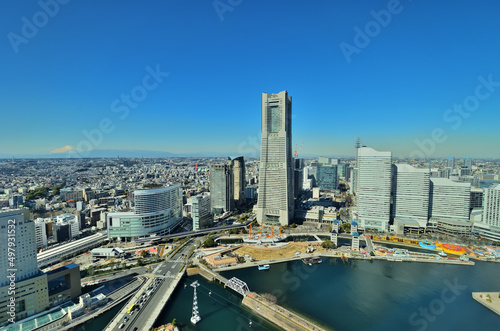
64 78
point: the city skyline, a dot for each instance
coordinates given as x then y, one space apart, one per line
432 91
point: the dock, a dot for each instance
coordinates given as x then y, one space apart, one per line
490 300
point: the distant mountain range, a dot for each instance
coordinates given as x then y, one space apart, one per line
106 153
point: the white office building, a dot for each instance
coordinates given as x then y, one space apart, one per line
157 212
17 229
449 200
374 188
40 234
489 227
411 194
200 211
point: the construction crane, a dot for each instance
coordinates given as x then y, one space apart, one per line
296 153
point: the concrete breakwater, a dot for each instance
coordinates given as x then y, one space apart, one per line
278 315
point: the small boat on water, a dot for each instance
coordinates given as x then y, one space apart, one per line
264 267
312 260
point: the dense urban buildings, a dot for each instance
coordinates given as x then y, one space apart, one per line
275 203
157 212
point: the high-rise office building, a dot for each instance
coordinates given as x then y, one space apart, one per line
15 222
449 200
239 180
201 211
327 177
27 289
373 183
40 234
489 227
157 212
221 187
491 213
411 194
275 201
342 170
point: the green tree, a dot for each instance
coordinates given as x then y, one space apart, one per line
56 190
209 242
328 244
174 322
234 231
40 192
144 254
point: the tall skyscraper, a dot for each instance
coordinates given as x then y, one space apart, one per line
374 188
239 180
411 193
221 187
275 201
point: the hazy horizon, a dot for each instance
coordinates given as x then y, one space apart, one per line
416 78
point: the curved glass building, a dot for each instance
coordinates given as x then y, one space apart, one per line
156 212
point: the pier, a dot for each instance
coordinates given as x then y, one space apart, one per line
490 300
280 316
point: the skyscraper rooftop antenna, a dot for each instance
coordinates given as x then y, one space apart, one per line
358 145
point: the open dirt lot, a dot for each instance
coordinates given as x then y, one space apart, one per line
269 253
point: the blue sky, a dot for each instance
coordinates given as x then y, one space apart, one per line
60 81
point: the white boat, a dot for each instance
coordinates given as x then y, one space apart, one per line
264 267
